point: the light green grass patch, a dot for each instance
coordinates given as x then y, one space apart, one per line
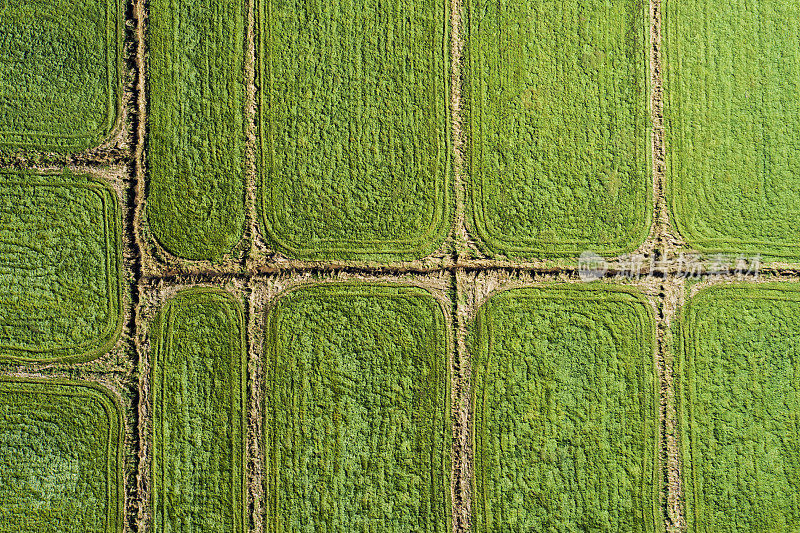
357 433
60 267
732 110
565 410
60 73
198 397
557 98
196 156
738 389
355 135
60 457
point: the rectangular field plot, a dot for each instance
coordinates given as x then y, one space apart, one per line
195 200
355 128
739 404
60 73
60 262
198 395
558 118
732 112
357 433
564 396
60 458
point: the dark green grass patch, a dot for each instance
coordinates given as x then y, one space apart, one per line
60 261
357 433
564 396
732 112
739 406
60 73
198 396
559 126
60 458
355 128
195 202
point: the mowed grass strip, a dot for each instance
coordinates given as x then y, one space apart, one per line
355 128
739 407
198 396
60 73
732 109
357 433
60 267
60 457
564 400
557 98
195 200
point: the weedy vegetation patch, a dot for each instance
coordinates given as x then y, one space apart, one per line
739 395
198 396
355 128
195 201
732 113
357 433
564 400
558 126
60 261
60 73
60 457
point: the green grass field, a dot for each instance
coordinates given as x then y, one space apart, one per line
357 433
740 407
564 400
60 458
198 398
60 261
559 126
195 201
355 138
732 112
60 73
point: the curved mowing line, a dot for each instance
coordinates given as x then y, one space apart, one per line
199 394
559 143
112 414
491 515
196 190
391 127
42 139
61 187
332 311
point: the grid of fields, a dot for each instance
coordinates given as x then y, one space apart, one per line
60 296
303 265
60 457
733 87
60 73
565 412
198 414
559 126
356 411
740 400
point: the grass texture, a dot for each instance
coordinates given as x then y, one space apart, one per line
357 433
732 113
198 391
559 127
60 457
60 261
564 396
60 73
739 406
195 203
355 128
